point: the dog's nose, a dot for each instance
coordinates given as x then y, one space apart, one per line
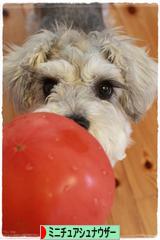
83 122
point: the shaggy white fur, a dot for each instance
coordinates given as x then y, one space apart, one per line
82 67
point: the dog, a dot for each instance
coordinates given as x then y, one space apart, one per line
75 67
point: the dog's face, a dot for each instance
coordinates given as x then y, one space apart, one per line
100 80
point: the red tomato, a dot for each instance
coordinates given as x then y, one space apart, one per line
54 172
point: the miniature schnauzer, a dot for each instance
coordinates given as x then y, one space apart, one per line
75 67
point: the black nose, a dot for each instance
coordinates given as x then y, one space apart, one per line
83 122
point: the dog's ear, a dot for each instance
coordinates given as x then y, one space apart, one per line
139 72
17 79
141 80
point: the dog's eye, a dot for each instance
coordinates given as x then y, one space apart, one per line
48 85
104 90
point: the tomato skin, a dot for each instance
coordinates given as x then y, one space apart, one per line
54 172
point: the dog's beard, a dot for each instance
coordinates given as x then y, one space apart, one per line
108 124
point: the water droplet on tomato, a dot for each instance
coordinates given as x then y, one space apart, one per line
50 156
50 194
57 139
66 188
29 167
104 172
74 168
89 181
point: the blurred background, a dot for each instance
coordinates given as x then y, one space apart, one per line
135 206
